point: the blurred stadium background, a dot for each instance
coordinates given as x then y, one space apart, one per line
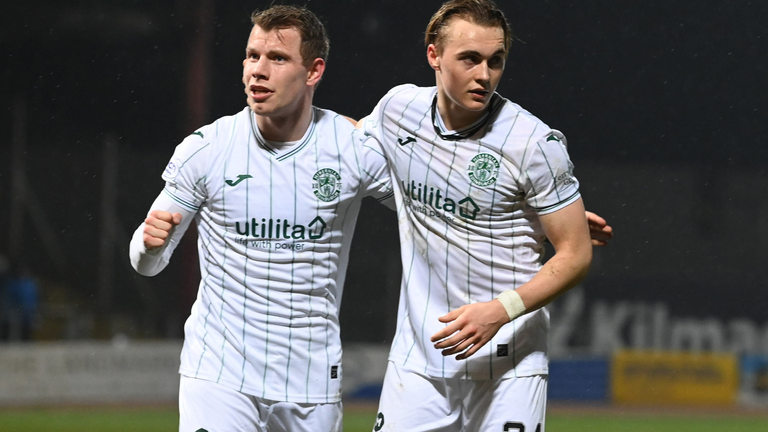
662 103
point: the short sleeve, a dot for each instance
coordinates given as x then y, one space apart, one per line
548 172
186 171
371 124
375 173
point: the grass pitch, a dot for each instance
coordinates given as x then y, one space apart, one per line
653 423
360 419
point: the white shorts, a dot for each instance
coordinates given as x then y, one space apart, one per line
205 406
415 402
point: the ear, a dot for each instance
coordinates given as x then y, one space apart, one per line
315 71
433 57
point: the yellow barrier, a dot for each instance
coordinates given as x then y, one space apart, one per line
674 378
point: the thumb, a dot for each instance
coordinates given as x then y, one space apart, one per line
176 218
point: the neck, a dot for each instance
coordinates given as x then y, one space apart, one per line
289 126
453 115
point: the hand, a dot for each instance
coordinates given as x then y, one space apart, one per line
471 327
599 230
158 226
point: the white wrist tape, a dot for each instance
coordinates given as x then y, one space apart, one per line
512 302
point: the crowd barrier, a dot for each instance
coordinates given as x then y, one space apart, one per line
146 372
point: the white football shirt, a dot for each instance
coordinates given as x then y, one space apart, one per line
275 223
467 209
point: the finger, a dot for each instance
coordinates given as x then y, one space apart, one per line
445 332
452 341
152 242
457 349
158 229
597 235
470 351
606 229
156 224
176 218
451 316
599 242
594 219
604 233
597 221
162 215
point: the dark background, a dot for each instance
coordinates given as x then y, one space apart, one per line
663 104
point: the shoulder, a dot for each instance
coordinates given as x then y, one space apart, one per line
325 118
332 126
407 89
410 92
520 125
220 130
199 148
405 100
224 128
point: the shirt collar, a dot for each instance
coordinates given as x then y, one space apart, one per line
493 107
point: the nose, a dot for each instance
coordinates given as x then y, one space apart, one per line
484 72
260 69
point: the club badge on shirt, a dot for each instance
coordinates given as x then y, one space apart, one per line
326 184
483 169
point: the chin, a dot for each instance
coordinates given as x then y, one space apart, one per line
259 108
475 106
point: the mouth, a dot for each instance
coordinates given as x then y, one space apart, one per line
479 93
259 93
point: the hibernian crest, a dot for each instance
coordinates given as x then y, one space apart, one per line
483 169
327 184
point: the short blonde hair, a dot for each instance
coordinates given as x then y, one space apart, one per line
480 12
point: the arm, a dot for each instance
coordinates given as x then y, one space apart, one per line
154 240
377 180
472 326
174 209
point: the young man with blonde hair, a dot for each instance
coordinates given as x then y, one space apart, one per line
275 190
480 184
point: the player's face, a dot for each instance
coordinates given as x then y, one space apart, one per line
276 80
470 66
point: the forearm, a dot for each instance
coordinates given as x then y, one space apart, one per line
472 326
568 232
151 262
562 272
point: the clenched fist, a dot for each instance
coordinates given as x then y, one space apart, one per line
158 226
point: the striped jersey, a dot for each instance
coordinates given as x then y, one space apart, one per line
275 224
467 204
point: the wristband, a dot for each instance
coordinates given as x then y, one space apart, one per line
512 302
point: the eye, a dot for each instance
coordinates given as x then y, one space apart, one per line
496 62
469 61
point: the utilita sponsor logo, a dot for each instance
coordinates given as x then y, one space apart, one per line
429 196
276 229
